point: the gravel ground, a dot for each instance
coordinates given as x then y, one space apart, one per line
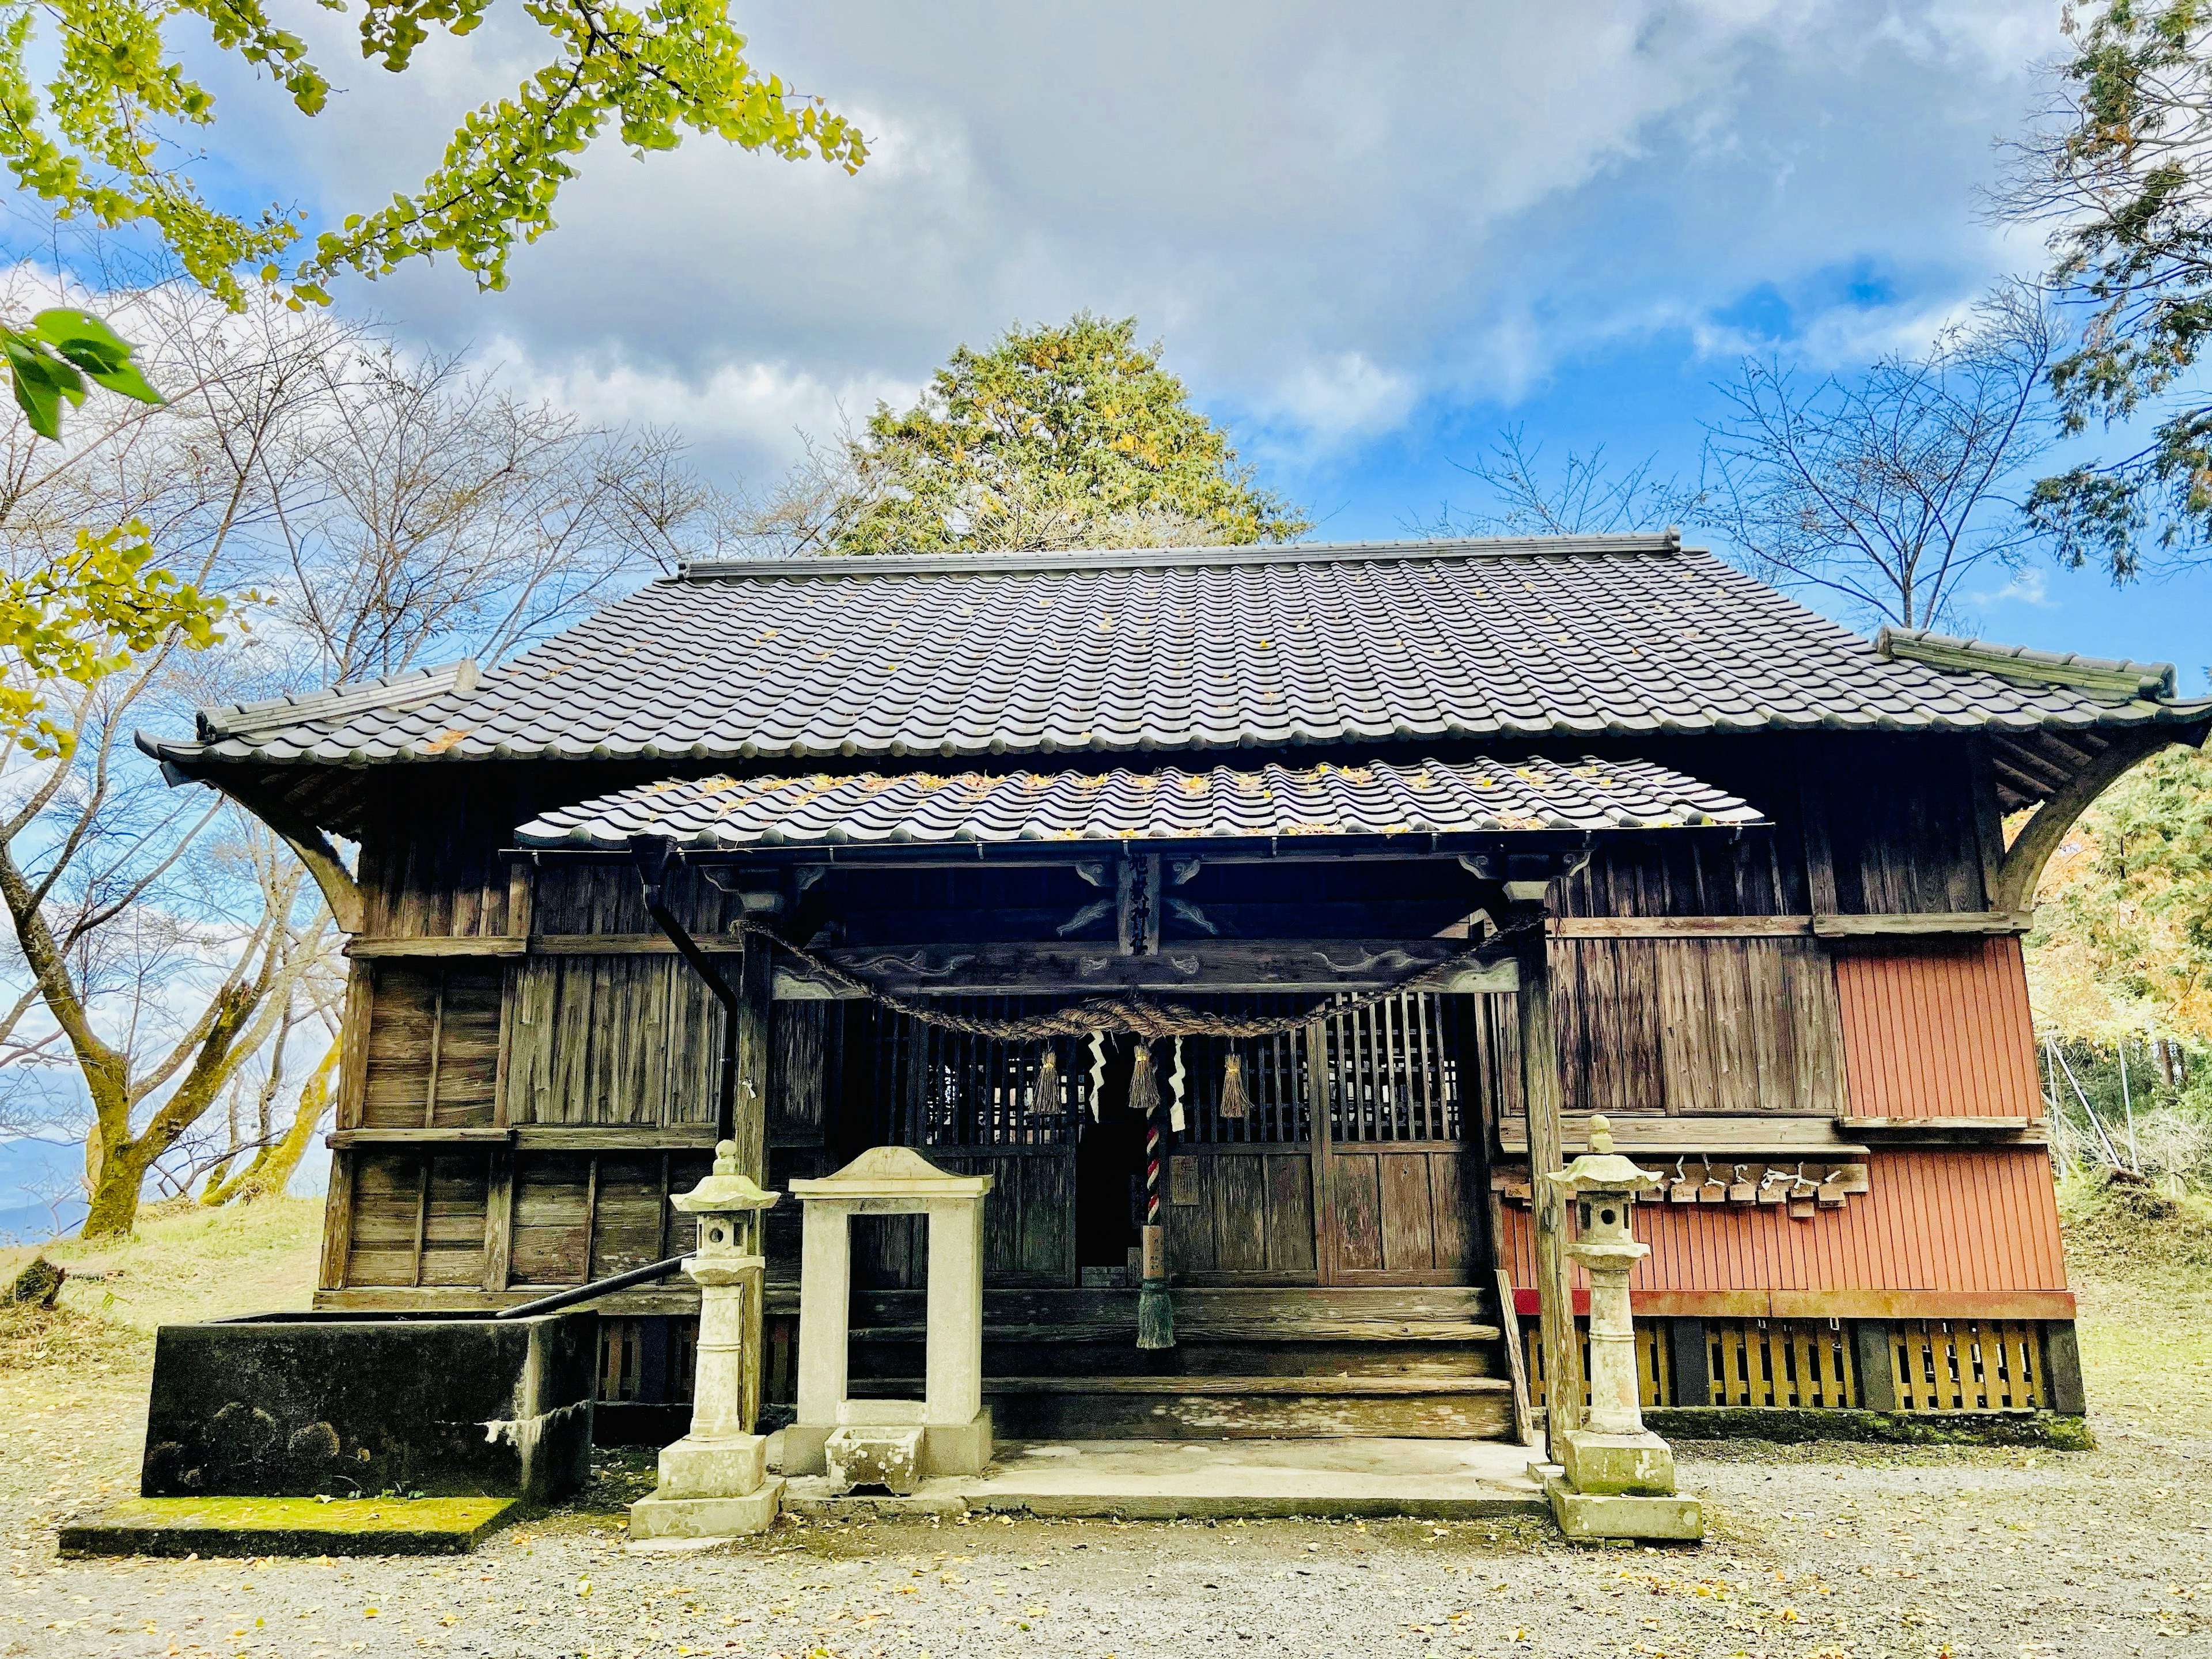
1819 1551
1832 1550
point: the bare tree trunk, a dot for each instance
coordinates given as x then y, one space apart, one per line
272 1167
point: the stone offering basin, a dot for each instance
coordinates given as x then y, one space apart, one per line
347 1404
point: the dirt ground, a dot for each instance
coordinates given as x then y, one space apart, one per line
1818 1551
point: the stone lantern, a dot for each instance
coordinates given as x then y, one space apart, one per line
714 1482
1616 1478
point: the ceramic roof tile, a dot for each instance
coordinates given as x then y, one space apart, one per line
1383 799
1189 648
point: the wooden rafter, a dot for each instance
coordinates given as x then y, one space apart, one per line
2039 837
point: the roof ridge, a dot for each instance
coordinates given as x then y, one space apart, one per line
2119 676
397 691
1171 558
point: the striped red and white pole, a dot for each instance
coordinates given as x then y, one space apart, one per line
1155 1308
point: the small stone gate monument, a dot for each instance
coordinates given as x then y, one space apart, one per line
1617 1478
892 1443
714 1482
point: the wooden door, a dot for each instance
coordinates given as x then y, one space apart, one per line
970 1104
1399 1164
1240 1192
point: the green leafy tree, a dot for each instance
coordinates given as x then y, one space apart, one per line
1063 436
2123 940
75 620
108 138
2122 173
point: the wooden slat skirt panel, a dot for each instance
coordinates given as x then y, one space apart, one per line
1797 1363
1241 1214
1967 1366
1938 1028
1793 1363
1931 1220
1402 1214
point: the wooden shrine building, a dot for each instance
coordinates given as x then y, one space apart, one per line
1462 841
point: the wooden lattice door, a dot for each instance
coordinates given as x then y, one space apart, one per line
1398 1145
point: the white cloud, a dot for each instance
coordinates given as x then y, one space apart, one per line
1334 217
758 407
2030 586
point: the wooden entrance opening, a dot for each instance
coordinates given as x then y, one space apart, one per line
1370 1169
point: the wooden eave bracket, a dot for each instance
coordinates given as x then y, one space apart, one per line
2022 869
316 854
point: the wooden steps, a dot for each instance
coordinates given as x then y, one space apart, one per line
1424 1363
1200 1407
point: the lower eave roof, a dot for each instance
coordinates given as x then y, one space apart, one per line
923 809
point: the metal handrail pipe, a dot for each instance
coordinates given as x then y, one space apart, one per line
598 1287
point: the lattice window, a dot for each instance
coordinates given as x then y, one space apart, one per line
1274 1069
1800 1363
941 1088
1967 1366
1394 1070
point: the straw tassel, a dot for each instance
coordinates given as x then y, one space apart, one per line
1144 1087
1047 1080
1234 1103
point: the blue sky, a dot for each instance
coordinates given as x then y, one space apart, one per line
1369 237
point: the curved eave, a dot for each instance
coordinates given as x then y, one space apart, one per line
1292 734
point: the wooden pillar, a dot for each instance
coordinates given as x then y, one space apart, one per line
1543 1093
2061 1369
756 1053
1686 1358
1874 1356
756 979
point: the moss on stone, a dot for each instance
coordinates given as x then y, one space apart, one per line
289 1526
1790 1426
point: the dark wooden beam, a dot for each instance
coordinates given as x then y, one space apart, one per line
1544 1092
1077 968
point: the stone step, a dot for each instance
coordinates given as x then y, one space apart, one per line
1139 1480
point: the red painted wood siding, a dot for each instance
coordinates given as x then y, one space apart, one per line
1954 1221
1938 1029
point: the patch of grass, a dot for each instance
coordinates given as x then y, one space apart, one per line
2141 1262
34 1339
184 1262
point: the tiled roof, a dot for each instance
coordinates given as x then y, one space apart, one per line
1181 649
1422 798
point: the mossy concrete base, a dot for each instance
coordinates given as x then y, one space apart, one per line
289 1526
1588 1517
1790 1427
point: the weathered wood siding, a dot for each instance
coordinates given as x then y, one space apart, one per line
612 1040
1685 1026
433 1046
1938 1029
